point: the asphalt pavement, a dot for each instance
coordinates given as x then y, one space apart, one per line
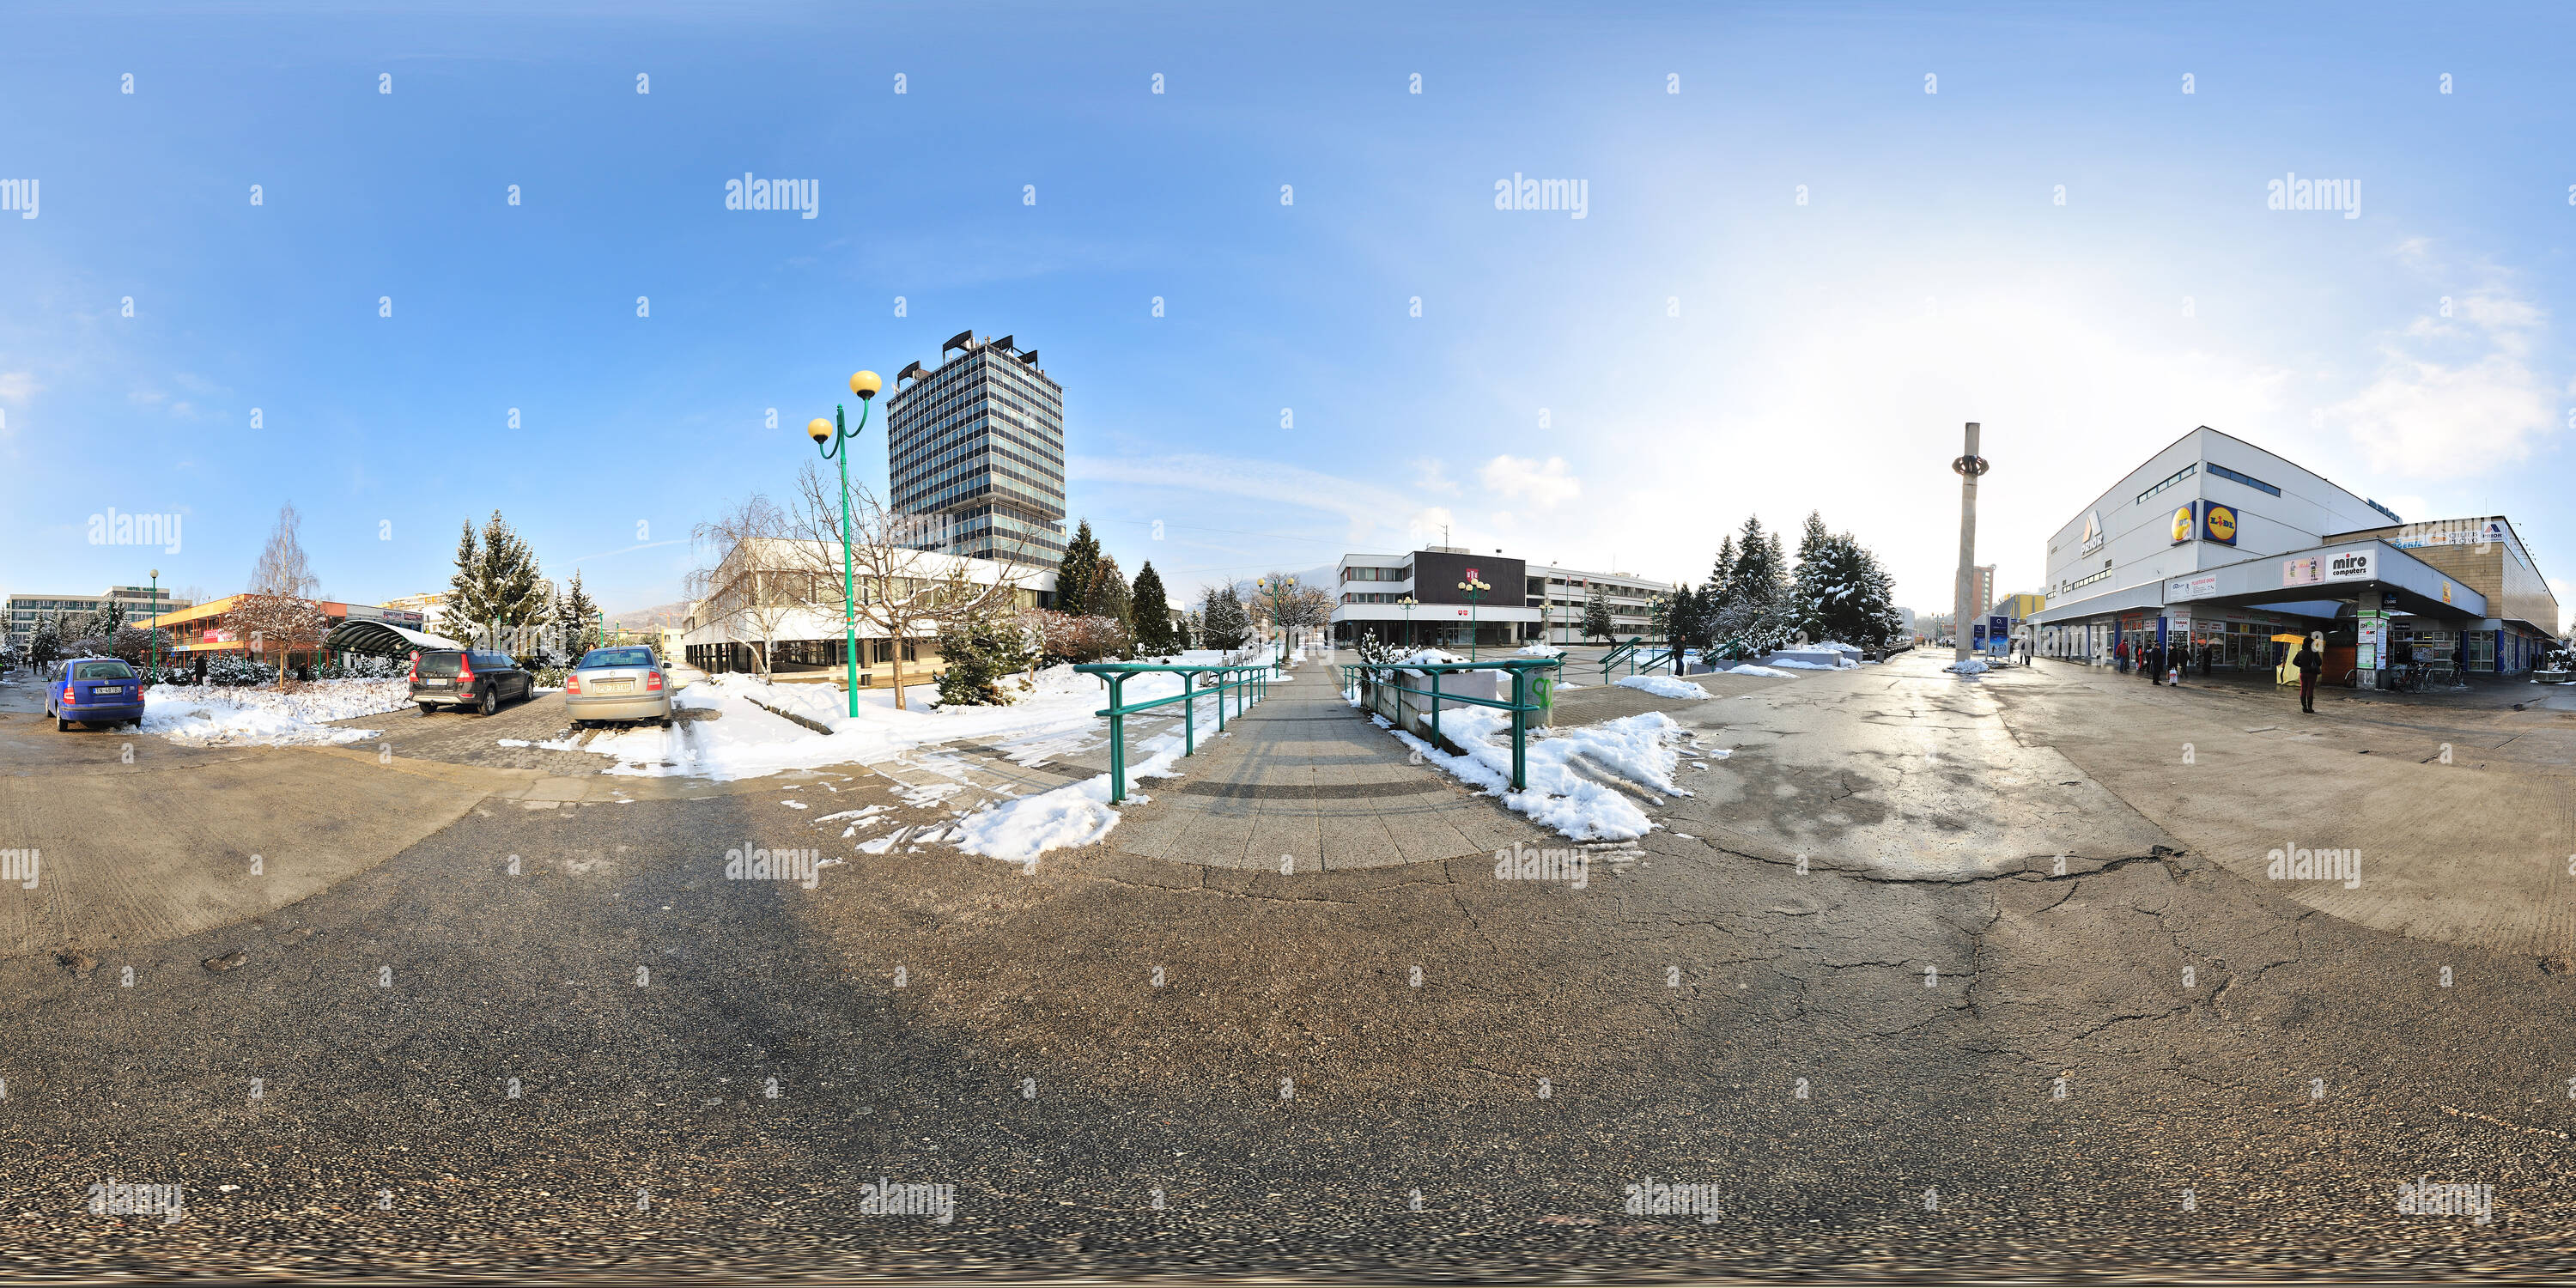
1901 990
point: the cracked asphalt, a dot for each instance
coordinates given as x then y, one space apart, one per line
1917 993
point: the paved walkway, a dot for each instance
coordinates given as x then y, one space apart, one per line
1302 778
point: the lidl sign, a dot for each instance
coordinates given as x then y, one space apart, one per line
2218 523
2204 521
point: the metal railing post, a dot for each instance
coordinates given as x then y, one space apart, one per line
1435 704
1520 730
1117 738
1220 700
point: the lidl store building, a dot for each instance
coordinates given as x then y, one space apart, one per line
2215 546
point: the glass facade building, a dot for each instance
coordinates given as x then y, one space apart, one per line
975 453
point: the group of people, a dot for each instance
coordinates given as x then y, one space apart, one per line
2166 665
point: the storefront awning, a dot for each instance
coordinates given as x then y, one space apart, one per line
2127 599
382 639
2372 574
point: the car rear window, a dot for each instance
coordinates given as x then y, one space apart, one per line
102 671
439 663
618 657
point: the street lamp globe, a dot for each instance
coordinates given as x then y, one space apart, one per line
818 429
865 384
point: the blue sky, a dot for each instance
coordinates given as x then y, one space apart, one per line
1620 389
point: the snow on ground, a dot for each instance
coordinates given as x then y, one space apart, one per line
1750 669
1075 814
1972 666
1639 748
207 715
1796 665
1055 717
1541 650
1663 686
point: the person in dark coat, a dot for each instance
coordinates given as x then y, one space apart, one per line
2309 662
2155 663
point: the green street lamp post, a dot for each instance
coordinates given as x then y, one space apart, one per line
832 438
1408 604
1474 590
152 641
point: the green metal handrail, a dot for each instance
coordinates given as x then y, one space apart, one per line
1250 680
1520 706
1624 653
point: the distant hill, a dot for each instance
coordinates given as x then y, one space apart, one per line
659 615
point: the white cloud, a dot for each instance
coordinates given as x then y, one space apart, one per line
1545 485
2455 395
18 386
1431 474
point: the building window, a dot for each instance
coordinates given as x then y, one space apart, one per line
2178 476
2246 479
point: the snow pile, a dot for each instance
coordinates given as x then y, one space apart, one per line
1796 665
205 715
1750 669
1076 814
1541 650
1973 666
1638 748
1663 686
749 739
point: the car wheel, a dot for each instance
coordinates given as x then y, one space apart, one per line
429 708
491 700
61 725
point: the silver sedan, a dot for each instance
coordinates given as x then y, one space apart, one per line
621 683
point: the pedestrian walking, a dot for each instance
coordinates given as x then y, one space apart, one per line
2309 662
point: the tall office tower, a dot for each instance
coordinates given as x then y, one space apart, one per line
975 453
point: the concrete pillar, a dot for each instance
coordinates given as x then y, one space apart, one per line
1968 466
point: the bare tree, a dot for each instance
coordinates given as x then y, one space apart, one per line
282 569
277 624
907 594
740 580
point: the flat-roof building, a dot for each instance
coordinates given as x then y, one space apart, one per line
2214 545
975 453
1528 603
139 602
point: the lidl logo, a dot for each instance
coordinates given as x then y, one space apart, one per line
2184 522
2219 524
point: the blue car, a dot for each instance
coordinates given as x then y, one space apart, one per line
93 691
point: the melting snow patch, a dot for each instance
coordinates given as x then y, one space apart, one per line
1663 686
1638 748
1972 666
1750 669
197 715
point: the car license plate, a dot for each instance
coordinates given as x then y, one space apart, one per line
616 686
106 692
437 684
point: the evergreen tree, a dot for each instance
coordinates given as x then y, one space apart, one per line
1596 615
1222 618
1075 575
1721 575
46 645
576 615
1153 613
1756 579
975 654
1819 566
1853 595
497 584
1106 596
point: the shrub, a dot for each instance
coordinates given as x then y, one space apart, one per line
977 655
